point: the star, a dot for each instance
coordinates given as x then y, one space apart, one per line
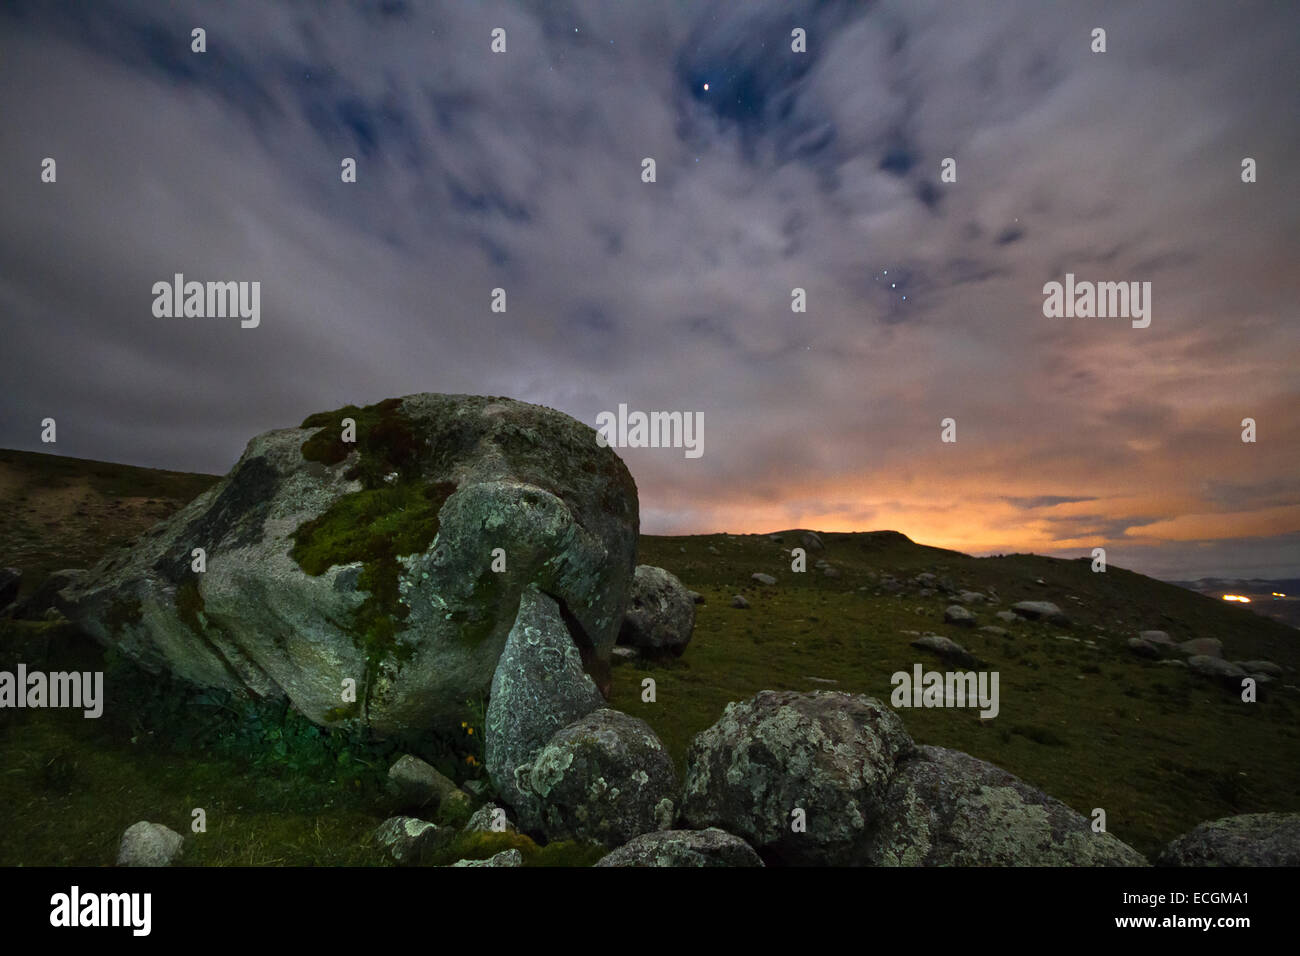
706 87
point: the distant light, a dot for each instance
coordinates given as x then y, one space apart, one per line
1278 594
706 87
1236 597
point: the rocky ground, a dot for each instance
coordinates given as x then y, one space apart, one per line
1116 692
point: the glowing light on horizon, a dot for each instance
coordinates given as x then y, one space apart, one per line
1236 597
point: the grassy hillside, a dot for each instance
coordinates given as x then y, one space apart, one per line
1080 717
60 512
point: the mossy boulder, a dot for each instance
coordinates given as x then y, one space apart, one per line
394 560
711 847
604 778
946 808
781 758
1252 839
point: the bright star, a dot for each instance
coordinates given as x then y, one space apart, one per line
706 87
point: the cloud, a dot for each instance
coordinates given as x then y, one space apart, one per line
522 171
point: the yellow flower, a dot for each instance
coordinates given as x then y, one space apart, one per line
470 731
463 724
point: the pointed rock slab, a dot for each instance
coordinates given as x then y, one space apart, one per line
711 847
1252 839
539 687
826 753
946 808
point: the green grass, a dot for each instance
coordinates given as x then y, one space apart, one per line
1157 748
1091 725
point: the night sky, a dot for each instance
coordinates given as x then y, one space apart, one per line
817 170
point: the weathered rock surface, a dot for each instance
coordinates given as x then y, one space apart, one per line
504 858
604 778
758 577
711 847
489 818
149 844
406 839
1156 637
738 601
956 614
946 808
1143 648
539 687
377 560
416 785
948 649
1216 668
660 612
49 595
1253 839
1041 611
1202 647
826 753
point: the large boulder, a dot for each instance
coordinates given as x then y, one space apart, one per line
395 560
711 847
825 753
539 687
660 612
1253 839
604 778
946 808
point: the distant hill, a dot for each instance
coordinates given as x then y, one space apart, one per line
58 512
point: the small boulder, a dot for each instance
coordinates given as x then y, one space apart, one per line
825 752
1202 646
1041 611
696 597
1143 648
1008 616
971 597
759 577
149 844
811 541
1252 839
489 818
406 839
604 778
949 650
416 785
738 601
711 847
946 808
1156 637
504 858
831 572
1260 667
956 614
1216 668
660 613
